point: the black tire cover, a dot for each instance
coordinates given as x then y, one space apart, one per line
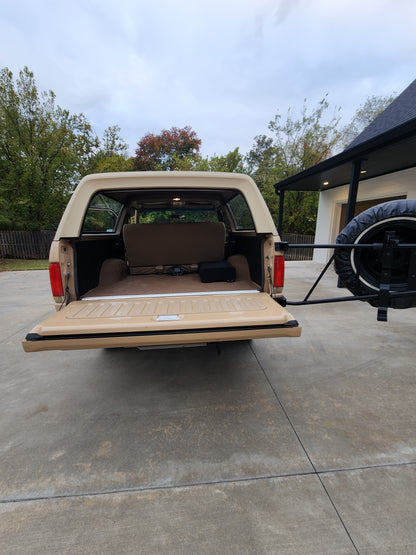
369 227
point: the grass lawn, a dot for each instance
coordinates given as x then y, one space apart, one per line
11 264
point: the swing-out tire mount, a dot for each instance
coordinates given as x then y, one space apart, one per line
391 269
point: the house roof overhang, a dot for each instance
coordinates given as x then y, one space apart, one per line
389 152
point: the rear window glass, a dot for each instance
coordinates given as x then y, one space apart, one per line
240 212
102 215
176 215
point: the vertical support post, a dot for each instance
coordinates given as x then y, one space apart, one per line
352 195
280 215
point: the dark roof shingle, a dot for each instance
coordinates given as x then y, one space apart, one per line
401 110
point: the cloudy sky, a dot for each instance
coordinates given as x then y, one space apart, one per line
224 67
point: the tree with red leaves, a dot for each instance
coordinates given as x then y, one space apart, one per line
166 150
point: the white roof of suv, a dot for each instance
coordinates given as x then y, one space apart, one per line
71 222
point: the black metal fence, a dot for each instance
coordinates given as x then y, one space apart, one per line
35 244
25 244
298 254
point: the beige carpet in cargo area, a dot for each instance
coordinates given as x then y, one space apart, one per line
165 284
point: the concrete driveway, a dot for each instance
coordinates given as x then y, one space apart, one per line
271 446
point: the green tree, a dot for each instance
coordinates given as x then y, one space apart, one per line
365 114
264 166
43 152
112 163
233 161
304 142
112 143
294 145
111 156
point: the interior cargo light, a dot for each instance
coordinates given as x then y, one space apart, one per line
279 271
56 279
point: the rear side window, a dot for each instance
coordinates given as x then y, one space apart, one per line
102 215
240 212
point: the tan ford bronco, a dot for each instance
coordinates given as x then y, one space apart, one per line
164 258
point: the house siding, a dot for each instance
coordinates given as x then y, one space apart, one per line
330 203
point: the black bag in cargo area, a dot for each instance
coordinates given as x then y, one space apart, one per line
216 271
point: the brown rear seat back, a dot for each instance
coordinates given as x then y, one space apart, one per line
159 245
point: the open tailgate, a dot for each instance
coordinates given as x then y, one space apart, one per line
162 320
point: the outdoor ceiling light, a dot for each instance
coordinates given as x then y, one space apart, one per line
326 182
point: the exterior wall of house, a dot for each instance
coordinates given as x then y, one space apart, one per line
330 203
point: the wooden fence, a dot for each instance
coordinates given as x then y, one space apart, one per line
35 244
25 244
298 254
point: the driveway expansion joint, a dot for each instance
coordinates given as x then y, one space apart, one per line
140 489
304 449
189 485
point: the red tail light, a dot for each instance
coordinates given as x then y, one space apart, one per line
279 271
56 279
